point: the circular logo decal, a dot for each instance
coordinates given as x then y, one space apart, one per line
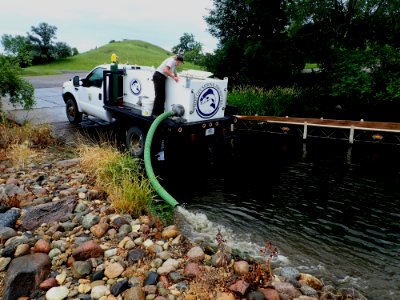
136 87
208 102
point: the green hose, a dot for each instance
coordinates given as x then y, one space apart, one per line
147 159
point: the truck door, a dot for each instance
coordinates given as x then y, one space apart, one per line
91 95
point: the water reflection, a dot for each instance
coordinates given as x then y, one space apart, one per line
333 211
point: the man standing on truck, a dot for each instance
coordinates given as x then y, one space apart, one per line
166 69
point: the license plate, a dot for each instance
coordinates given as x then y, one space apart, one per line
209 131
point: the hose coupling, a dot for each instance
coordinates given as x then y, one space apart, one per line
178 110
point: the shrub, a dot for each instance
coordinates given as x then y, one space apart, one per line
18 90
277 101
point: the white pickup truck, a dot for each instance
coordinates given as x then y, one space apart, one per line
125 93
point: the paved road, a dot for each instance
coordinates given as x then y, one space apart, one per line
51 81
49 107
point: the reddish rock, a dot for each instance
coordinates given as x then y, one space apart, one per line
70 261
109 210
42 246
99 230
144 228
192 270
239 286
270 294
286 290
87 250
163 279
104 219
13 181
48 284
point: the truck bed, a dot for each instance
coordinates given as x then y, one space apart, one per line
128 113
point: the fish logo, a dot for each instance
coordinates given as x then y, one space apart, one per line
208 102
136 87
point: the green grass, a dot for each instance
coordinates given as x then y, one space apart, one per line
133 52
118 175
311 66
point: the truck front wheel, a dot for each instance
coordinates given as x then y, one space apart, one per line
73 114
135 140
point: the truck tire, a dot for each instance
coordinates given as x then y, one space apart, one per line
73 114
135 140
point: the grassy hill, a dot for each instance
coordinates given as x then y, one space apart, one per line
133 52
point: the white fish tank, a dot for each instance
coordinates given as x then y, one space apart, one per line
203 98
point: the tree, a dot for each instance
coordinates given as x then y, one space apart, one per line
17 47
321 27
75 51
355 43
62 50
38 47
192 50
13 85
253 44
41 39
195 55
187 43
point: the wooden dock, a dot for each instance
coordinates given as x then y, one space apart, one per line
352 131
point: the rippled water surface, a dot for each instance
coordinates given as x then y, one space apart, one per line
332 210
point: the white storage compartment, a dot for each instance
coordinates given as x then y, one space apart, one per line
139 87
203 98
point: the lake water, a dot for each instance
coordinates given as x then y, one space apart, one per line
331 209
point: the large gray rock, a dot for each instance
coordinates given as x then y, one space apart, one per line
47 213
24 275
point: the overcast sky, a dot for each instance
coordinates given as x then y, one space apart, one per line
87 24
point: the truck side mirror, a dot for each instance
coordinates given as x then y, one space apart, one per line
75 80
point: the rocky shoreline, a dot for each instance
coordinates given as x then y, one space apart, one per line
60 238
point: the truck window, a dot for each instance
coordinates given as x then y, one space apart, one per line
95 78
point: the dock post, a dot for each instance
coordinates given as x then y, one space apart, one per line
351 137
305 131
304 150
348 156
